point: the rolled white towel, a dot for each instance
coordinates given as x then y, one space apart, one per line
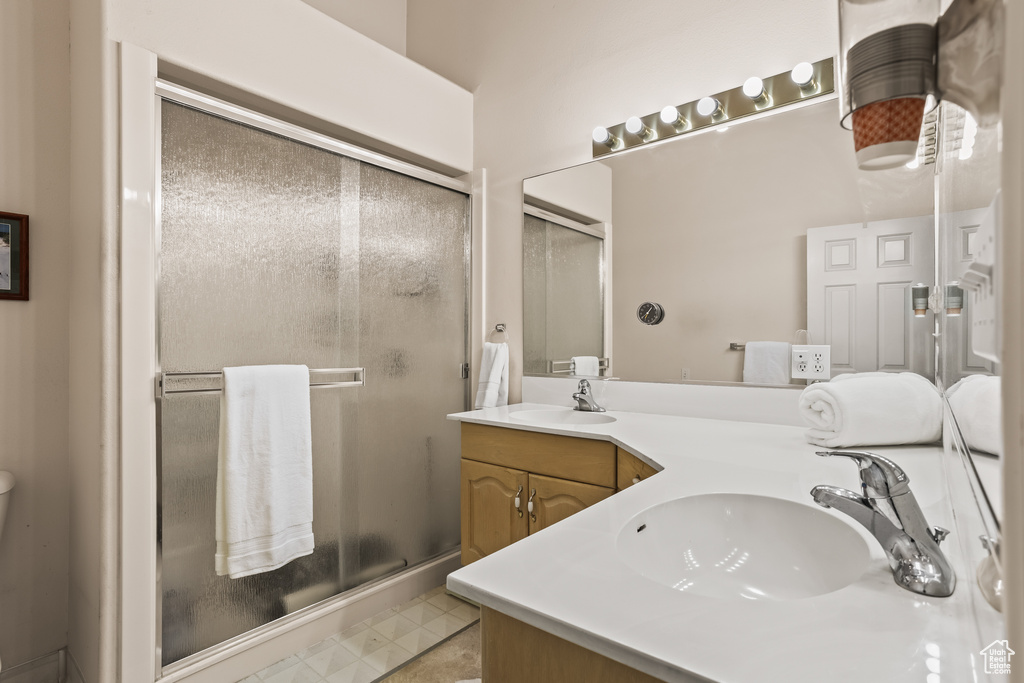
872 409
976 401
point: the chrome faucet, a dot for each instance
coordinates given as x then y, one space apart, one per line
888 509
585 399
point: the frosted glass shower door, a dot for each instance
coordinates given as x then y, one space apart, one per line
274 251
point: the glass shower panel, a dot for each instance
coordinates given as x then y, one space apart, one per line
262 260
563 294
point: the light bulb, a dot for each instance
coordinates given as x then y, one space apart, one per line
913 163
634 125
602 135
965 153
669 115
753 88
708 106
802 74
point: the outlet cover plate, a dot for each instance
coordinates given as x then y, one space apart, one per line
812 362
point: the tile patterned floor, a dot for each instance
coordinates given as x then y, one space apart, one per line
377 646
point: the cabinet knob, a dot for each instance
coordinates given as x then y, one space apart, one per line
636 480
518 500
529 505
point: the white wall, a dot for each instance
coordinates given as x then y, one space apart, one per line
545 74
381 20
34 139
584 190
279 51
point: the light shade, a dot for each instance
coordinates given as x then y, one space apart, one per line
708 106
753 88
802 74
635 126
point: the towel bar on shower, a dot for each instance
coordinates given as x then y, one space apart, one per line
191 379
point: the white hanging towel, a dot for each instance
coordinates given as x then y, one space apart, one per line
767 362
493 388
264 469
977 404
872 409
588 366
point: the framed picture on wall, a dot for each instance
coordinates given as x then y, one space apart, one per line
13 256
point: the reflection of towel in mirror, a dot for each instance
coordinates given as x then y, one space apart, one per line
872 409
493 387
976 401
767 362
586 366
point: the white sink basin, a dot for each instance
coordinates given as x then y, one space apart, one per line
732 546
563 416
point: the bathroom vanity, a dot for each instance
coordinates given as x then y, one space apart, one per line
515 483
597 591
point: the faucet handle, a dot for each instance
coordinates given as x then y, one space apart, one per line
584 387
880 477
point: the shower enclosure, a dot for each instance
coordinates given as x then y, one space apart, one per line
272 250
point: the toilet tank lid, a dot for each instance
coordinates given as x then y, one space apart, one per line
6 482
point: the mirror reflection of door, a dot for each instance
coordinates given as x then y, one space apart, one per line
858 294
563 294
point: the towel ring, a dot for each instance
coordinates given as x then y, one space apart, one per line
500 327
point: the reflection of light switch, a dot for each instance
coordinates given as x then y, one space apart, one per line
981 280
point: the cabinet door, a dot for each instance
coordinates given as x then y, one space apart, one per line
631 469
556 499
490 520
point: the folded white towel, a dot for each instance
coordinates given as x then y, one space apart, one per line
264 469
872 409
767 362
493 387
586 366
977 403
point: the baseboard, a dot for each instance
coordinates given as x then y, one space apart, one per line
271 643
49 668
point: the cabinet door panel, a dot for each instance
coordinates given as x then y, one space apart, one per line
490 520
556 499
630 467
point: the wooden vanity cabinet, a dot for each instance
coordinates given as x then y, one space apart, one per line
564 474
630 469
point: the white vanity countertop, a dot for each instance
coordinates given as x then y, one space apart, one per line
569 581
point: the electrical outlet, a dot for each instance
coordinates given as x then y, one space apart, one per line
685 374
812 362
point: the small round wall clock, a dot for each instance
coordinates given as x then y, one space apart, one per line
650 313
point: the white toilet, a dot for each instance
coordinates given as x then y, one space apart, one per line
6 484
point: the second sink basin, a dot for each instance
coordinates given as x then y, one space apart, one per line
562 416
726 545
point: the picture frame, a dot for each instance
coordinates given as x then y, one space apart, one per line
13 256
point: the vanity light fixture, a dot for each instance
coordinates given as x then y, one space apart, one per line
756 96
603 136
919 296
753 88
670 116
803 75
709 106
638 128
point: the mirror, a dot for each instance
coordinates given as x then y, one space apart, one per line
714 228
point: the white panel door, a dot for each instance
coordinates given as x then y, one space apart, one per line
958 232
858 294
